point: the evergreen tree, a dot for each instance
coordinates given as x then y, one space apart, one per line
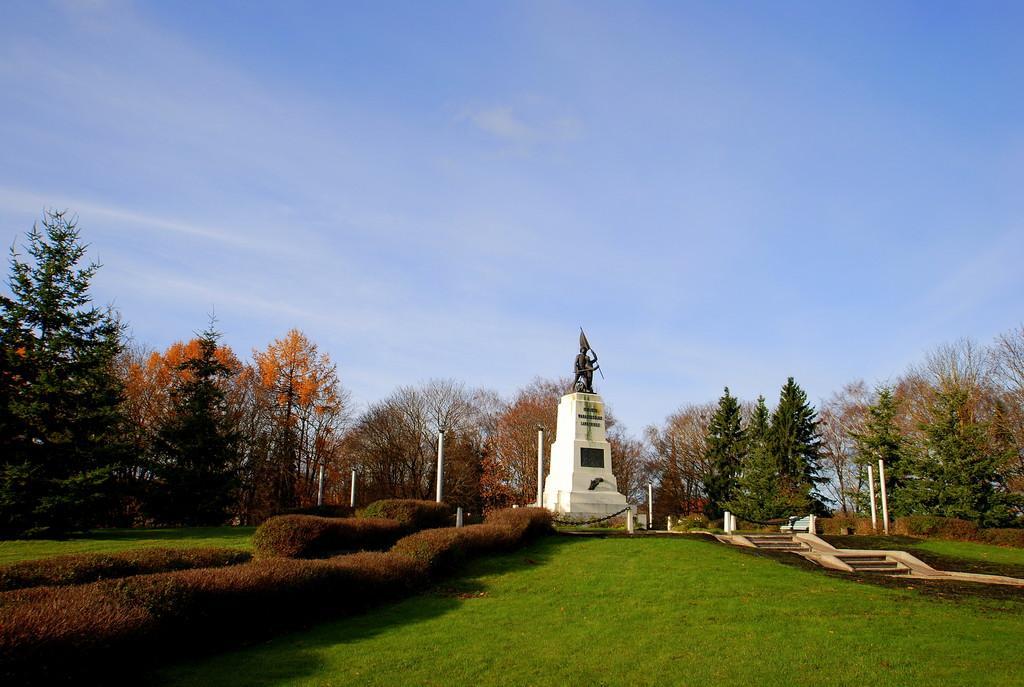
759 494
60 417
724 454
794 443
957 476
197 447
881 439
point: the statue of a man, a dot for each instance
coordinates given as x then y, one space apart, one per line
584 368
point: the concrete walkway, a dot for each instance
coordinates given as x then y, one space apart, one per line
819 551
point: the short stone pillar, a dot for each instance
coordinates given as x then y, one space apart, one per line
458 516
727 522
630 527
669 524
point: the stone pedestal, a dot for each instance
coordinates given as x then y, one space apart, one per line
580 484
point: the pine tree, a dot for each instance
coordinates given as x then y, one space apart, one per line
881 439
724 454
197 448
60 413
759 494
957 476
794 442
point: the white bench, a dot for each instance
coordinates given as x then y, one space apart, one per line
804 524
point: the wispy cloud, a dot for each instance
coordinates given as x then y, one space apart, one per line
513 125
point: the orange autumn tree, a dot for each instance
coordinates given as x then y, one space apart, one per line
305 411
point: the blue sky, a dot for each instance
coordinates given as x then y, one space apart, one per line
721 193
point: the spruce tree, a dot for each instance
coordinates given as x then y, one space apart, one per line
881 439
60 416
957 476
794 443
723 453
759 493
196 449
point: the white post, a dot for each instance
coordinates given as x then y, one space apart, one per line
540 466
352 494
885 502
727 522
812 526
440 465
458 517
871 490
629 520
650 506
669 523
320 487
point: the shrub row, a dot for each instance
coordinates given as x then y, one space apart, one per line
411 513
307 536
65 633
443 549
378 526
841 524
90 567
935 526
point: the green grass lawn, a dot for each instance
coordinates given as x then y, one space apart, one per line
666 611
972 550
107 541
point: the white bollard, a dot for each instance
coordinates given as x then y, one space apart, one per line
871 490
352 494
650 506
727 522
458 516
629 520
320 487
440 465
812 527
885 502
732 523
540 466
669 525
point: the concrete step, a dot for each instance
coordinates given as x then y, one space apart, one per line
782 547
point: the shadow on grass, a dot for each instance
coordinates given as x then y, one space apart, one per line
291 660
169 533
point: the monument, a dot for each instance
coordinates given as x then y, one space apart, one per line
580 483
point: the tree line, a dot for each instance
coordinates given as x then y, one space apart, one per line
950 432
98 430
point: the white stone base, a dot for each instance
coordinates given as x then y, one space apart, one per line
567 491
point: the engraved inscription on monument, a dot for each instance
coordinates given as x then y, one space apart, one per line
592 457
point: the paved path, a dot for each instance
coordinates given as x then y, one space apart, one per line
888 562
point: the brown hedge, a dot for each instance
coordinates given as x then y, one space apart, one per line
90 567
1003 536
839 524
306 536
935 526
96 629
412 513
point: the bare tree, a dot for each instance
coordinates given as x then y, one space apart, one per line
841 417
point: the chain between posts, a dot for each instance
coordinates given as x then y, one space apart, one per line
590 522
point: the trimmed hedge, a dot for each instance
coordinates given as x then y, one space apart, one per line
414 514
839 524
90 567
935 526
65 633
307 536
1003 536
444 549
